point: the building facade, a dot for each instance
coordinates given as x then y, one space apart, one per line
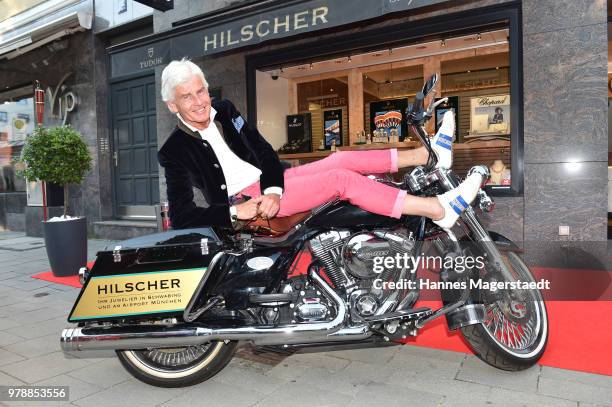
527 79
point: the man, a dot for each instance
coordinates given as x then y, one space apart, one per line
240 162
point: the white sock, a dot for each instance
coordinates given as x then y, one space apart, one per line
442 142
457 200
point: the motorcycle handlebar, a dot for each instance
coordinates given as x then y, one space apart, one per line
417 107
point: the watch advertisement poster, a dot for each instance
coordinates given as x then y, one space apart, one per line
387 115
490 115
299 135
332 127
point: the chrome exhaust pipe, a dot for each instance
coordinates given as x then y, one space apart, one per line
159 336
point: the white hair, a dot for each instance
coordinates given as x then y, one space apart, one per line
176 73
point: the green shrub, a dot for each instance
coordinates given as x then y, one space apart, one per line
58 155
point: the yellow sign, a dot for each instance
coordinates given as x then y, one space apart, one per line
137 294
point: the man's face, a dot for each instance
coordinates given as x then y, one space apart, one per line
192 101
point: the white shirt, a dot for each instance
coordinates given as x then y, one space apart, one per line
238 173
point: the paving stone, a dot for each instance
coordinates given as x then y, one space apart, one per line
574 376
36 347
77 389
8 338
424 352
104 374
294 395
39 329
43 367
423 365
249 376
43 314
7 357
286 371
379 394
132 393
317 360
575 391
348 381
514 398
377 355
217 394
438 385
8 380
476 371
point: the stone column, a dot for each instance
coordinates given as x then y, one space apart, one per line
432 65
355 103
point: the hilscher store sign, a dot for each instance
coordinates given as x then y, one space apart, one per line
253 28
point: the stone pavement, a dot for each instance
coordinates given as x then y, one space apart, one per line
33 313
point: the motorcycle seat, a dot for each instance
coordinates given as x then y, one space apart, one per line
276 226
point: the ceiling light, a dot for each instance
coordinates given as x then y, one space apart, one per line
443 43
349 58
479 37
311 66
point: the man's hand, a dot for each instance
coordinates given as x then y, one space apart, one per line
269 206
248 209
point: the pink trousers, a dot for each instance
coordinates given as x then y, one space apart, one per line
341 175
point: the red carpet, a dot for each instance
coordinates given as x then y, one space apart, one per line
580 331
72 281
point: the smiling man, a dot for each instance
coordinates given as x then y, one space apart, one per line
241 177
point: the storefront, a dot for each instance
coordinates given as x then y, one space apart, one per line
511 69
526 79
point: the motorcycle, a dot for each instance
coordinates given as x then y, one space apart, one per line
174 305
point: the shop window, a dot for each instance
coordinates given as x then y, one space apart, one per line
301 106
16 123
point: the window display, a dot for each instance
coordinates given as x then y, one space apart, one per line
362 98
16 123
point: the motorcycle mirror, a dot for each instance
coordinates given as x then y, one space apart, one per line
430 84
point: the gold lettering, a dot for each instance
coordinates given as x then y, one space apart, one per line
319 13
208 42
258 28
222 39
299 20
278 24
247 33
229 39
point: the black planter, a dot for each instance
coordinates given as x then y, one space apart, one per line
66 243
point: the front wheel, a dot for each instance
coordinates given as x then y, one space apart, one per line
178 367
514 333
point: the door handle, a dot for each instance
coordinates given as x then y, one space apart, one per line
116 159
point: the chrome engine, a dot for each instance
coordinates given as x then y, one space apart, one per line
349 262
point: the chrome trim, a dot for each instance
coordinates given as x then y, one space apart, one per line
83 274
163 336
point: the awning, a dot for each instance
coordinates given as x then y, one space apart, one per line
161 5
42 24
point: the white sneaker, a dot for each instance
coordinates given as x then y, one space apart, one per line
442 142
457 200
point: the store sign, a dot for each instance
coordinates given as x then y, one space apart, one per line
62 100
272 23
140 59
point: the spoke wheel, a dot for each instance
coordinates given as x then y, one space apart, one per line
514 333
178 367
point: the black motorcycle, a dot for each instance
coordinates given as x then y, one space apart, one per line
174 305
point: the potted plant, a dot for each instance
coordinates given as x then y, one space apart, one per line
59 155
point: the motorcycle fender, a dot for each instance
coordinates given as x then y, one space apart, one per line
503 243
469 314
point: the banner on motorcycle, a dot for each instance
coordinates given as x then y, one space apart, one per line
125 295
